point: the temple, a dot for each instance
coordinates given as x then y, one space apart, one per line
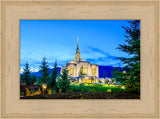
82 71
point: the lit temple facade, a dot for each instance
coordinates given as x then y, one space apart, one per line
82 71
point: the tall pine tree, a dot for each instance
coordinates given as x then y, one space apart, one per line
27 74
64 81
44 70
132 64
54 75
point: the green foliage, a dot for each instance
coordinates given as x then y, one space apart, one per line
60 90
131 79
92 90
53 91
44 71
34 78
95 88
64 81
117 75
22 79
22 94
26 76
108 90
81 97
71 90
54 75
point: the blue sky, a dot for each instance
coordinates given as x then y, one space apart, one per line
57 40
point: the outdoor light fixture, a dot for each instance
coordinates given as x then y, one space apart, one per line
122 87
124 72
44 86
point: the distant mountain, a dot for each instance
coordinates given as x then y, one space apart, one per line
102 71
50 70
107 70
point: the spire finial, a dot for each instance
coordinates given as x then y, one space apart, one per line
77 43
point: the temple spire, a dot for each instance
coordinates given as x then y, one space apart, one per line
77 51
77 56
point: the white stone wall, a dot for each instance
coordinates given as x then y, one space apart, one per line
78 66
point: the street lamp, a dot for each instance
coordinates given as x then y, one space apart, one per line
123 87
44 86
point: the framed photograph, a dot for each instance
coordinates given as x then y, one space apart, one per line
79 59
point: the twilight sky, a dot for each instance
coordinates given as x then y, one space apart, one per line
57 40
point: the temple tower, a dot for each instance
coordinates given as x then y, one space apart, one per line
77 55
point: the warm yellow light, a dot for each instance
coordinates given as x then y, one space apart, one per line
122 87
44 86
124 72
93 72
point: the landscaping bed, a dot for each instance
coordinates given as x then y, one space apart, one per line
86 95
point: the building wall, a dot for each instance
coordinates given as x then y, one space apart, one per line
89 67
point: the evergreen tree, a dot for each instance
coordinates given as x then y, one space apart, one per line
64 81
26 74
44 70
34 79
54 75
116 74
22 80
132 64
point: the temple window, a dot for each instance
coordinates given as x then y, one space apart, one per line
84 70
71 71
93 71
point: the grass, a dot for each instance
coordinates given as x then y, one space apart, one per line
96 88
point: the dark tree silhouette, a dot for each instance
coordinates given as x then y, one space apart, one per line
54 75
26 74
64 81
132 64
44 71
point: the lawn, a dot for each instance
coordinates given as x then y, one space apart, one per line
83 91
95 88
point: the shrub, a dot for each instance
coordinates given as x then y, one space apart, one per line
109 90
60 90
81 97
22 94
71 90
54 91
49 91
28 93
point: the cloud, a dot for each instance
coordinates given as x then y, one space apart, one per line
102 52
91 54
98 56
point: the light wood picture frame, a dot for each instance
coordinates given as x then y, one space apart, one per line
12 11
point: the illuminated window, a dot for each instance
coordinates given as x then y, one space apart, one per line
93 72
84 70
71 71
